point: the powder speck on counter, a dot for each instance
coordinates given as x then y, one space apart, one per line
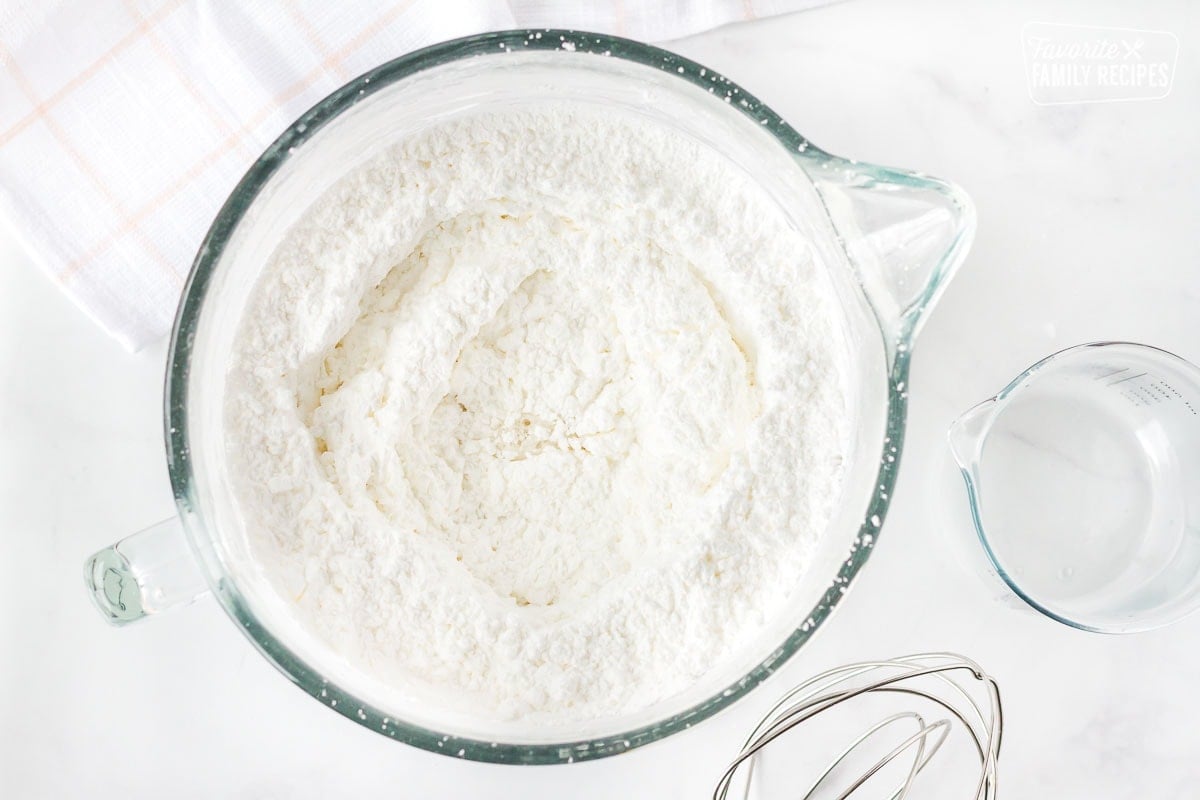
540 411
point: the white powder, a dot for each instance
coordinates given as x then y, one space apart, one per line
540 410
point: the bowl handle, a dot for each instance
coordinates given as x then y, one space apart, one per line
905 235
144 574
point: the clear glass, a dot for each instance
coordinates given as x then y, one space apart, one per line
143 574
1083 476
887 242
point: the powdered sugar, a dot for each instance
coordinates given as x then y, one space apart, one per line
540 410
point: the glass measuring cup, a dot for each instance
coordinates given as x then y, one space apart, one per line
1083 477
887 242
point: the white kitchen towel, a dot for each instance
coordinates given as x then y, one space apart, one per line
125 123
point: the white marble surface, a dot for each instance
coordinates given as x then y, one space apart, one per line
1087 231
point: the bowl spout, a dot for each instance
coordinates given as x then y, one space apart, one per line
904 233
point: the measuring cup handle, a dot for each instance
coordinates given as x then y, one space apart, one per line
144 574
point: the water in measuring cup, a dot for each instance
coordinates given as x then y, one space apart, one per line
1083 496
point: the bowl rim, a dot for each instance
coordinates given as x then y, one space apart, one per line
496 44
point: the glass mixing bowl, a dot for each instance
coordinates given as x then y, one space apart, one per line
886 240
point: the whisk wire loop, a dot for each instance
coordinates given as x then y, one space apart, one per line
840 685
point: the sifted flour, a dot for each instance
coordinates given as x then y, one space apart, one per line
540 410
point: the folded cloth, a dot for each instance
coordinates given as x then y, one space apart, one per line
124 124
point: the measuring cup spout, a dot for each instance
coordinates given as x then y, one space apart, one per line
904 233
966 434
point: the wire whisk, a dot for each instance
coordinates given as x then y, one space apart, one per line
925 675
